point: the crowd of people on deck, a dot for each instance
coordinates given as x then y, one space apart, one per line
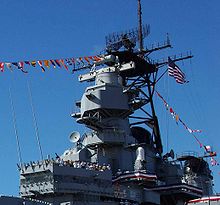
61 162
86 165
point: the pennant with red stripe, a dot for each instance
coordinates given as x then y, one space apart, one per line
41 65
2 67
57 62
21 67
62 62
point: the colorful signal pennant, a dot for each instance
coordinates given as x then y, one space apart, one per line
1 67
207 148
86 61
178 119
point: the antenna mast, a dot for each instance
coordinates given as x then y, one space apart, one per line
140 34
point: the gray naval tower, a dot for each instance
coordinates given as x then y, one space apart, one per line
120 160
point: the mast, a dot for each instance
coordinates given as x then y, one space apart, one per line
156 129
140 34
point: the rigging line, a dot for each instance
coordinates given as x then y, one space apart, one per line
167 94
161 75
195 100
195 108
200 144
168 122
15 128
35 121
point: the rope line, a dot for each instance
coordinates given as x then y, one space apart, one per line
15 128
35 121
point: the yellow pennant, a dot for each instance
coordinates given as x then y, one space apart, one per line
33 63
177 118
47 63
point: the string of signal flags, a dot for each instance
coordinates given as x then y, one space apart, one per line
87 61
207 148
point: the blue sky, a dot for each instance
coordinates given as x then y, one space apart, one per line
33 30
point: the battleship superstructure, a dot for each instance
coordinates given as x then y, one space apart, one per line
120 160
116 163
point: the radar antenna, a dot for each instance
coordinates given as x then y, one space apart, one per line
127 39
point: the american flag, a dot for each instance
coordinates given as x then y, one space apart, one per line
175 71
